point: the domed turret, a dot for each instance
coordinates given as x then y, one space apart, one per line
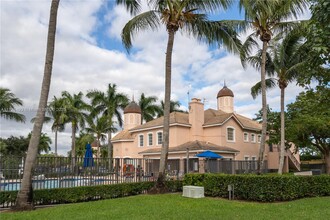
225 99
132 108
225 92
132 115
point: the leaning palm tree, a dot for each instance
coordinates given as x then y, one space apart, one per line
8 102
109 104
267 18
100 127
188 16
75 113
285 59
149 108
24 196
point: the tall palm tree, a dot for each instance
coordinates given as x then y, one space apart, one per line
109 104
100 127
174 107
285 59
149 108
75 113
8 102
55 113
188 16
267 18
24 196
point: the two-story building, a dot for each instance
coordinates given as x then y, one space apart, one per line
222 131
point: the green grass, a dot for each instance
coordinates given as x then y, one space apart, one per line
174 206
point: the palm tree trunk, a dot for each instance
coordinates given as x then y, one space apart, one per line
264 107
282 144
73 147
166 131
56 141
110 149
24 196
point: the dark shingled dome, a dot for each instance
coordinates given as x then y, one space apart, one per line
225 92
132 108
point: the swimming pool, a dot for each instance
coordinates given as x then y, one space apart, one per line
48 184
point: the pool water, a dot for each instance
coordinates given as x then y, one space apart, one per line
47 184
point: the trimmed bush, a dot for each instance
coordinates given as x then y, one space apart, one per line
86 193
264 188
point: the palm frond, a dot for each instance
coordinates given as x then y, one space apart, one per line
133 6
149 19
247 47
256 89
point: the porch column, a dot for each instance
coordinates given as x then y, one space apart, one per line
201 164
181 166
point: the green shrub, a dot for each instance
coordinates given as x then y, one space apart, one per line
87 193
265 188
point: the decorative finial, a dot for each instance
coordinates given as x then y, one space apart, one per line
224 83
133 97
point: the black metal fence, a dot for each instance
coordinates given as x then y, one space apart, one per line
63 172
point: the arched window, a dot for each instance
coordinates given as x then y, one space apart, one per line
246 136
230 134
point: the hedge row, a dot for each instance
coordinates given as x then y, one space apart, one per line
264 188
87 193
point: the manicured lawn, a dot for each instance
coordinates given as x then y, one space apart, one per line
174 206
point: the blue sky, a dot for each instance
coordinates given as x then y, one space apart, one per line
89 55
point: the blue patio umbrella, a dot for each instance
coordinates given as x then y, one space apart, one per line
88 159
209 154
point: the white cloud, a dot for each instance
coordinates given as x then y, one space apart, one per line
81 65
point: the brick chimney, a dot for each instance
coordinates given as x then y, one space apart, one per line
196 119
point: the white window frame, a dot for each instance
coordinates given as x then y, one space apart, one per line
139 140
254 137
158 138
234 136
247 135
152 139
259 138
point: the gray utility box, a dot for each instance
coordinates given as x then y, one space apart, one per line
193 191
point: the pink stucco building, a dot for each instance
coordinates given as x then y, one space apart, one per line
220 130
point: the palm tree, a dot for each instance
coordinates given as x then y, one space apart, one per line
8 102
148 107
267 18
55 113
24 196
74 111
100 127
285 60
109 104
176 14
174 107
44 143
